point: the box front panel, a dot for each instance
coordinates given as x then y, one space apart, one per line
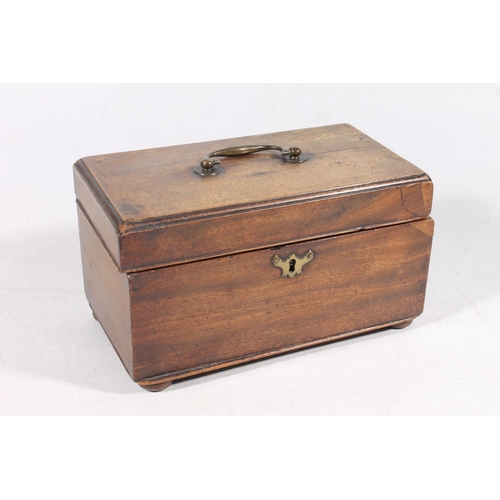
196 315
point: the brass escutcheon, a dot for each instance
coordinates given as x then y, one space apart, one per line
292 265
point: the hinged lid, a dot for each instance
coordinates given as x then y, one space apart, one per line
151 209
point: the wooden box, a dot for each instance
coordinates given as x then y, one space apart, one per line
188 273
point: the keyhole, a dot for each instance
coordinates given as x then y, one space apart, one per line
292 266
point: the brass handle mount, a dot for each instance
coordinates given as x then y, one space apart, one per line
209 165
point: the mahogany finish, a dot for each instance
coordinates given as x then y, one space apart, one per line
207 313
107 291
152 387
178 269
160 185
405 324
151 209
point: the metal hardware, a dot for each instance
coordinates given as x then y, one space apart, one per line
292 265
209 167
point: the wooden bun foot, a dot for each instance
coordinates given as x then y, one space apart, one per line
93 313
402 325
156 387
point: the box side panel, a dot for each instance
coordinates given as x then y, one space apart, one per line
107 291
95 213
194 317
211 237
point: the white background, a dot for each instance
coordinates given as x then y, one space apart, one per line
56 360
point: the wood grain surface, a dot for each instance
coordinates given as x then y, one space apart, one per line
107 291
178 268
89 203
152 210
210 237
159 184
197 315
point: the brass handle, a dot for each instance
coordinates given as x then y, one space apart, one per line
209 167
